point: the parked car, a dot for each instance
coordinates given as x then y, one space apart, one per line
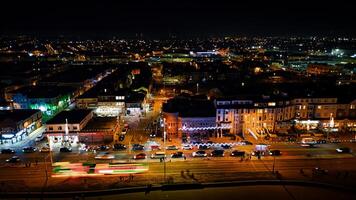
104 156
343 150
172 147
7 151
65 149
321 141
118 147
29 149
102 148
275 152
237 153
138 147
124 131
45 149
226 146
247 142
178 154
335 140
258 153
320 171
309 145
121 137
199 154
158 155
217 153
140 156
39 138
155 147
13 159
187 147
203 147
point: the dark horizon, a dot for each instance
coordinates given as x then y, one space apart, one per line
158 19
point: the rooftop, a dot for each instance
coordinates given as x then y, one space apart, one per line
73 116
45 91
101 124
190 107
17 114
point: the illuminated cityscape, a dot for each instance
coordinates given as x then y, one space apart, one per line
225 101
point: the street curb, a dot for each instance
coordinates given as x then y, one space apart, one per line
173 187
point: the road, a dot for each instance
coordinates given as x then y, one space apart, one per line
204 169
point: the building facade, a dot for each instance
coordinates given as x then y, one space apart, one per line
17 124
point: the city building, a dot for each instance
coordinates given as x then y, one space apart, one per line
15 125
190 118
253 115
80 125
68 123
49 99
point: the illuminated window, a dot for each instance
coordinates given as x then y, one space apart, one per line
271 103
319 107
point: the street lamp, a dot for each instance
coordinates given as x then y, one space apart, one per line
164 146
331 125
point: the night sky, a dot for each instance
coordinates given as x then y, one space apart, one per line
181 18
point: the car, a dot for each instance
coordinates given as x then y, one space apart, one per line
275 152
321 141
65 149
140 156
335 140
203 147
153 135
121 137
44 149
138 147
118 147
158 155
258 153
320 171
123 131
247 142
187 147
217 153
343 150
199 154
226 146
29 149
39 138
177 154
237 153
172 147
102 148
309 145
104 156
13 159
155 147
7 151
